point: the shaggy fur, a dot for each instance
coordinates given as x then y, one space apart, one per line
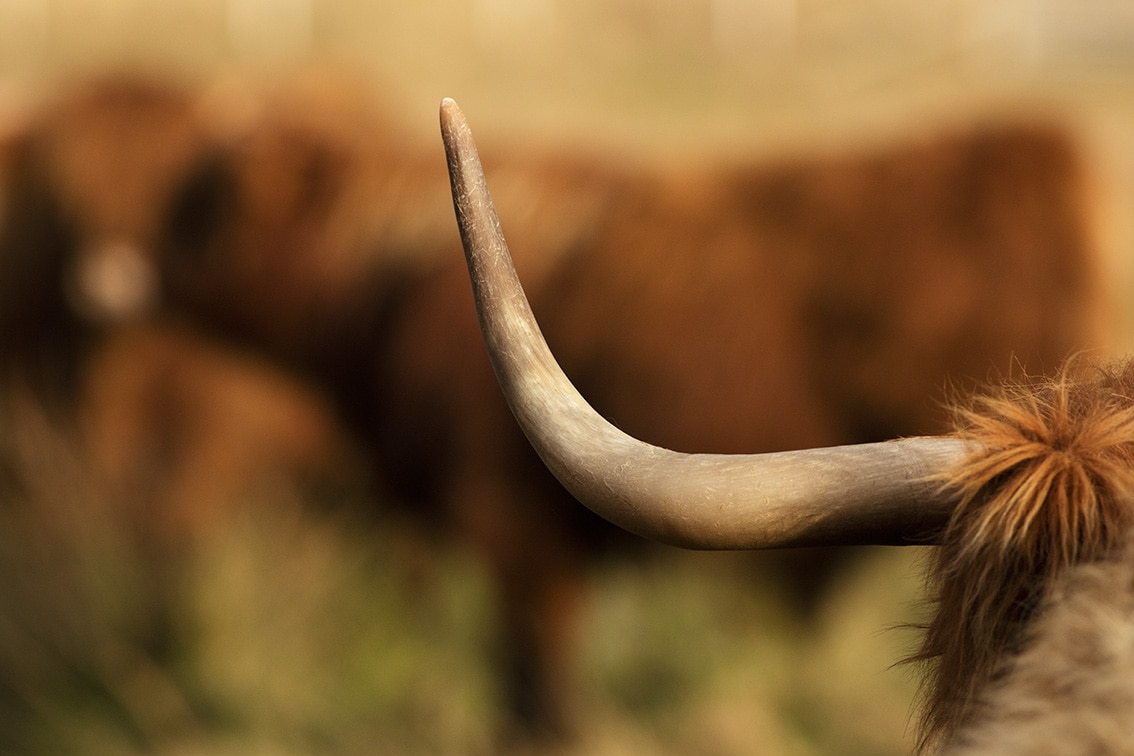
1071 691
1051 488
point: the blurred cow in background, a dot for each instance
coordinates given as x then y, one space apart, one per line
298 228
86 187
870 282
85 182
124 431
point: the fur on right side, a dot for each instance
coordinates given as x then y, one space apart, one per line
1071 691
1033 577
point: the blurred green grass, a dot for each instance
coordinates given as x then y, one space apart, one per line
293 627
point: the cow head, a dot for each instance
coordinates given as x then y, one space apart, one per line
84 182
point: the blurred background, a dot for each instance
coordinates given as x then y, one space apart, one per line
298 630
702 75
722 77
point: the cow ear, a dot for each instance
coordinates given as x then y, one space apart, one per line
200 209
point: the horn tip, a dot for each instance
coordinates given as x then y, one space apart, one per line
451 114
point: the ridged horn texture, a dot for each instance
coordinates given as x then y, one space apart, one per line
882 493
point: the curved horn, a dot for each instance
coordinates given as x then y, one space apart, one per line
878 493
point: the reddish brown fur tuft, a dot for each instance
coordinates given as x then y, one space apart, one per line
1051 487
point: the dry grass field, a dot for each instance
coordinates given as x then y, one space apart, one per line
299 633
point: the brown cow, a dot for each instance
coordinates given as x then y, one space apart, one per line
86 181
938 261
309 234
1030 500
169 425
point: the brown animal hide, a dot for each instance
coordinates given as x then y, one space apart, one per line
869 282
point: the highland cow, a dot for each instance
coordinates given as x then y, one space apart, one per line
1030 500
306 232
895 273
86 180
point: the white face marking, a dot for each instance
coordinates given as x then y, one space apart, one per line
113 282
